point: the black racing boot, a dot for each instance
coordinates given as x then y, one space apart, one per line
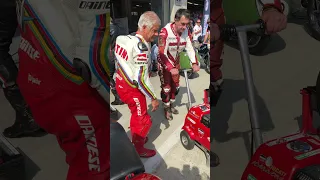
117 100
24 124
173 108
167 112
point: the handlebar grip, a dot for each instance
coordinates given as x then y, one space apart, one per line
262 28
227 31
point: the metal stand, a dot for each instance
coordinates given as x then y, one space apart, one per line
185 71
206 153
245 58
112 108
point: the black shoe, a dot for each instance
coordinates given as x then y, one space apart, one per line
24 124
19 129
173 109
117 102
168 113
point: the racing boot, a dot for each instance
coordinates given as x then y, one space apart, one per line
138 143
173 109
167 112
24 124
117 100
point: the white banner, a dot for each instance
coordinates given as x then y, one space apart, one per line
206 16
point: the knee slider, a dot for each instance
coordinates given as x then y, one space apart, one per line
165 93
82 69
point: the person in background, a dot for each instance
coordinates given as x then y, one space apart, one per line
24 124
197 30
190 27
114 33
206 39
154 61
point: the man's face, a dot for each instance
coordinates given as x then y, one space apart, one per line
181 24
198 22
152 33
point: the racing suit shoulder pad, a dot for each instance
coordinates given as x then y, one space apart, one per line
124 39
127 40
163 32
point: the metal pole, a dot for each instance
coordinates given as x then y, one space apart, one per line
245 58
185 71
112 108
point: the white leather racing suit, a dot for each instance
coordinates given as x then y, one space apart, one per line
170 45
63 75
133 56
133 86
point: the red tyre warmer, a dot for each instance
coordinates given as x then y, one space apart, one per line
65 106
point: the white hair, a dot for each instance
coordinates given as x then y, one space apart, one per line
148 19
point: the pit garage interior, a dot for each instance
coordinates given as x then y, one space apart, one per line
132 9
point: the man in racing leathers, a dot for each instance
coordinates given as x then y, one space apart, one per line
173 39
24 124
271 13
132 79
63 77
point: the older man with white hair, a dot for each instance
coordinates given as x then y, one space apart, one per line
132 82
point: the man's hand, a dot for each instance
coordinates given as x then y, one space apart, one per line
275 20
174 71
195 68
216 32
154 104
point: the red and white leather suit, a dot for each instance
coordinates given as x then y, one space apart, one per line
170 45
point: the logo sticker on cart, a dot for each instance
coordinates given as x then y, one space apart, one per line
193 113
283 140
191 120
201 132
308 154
